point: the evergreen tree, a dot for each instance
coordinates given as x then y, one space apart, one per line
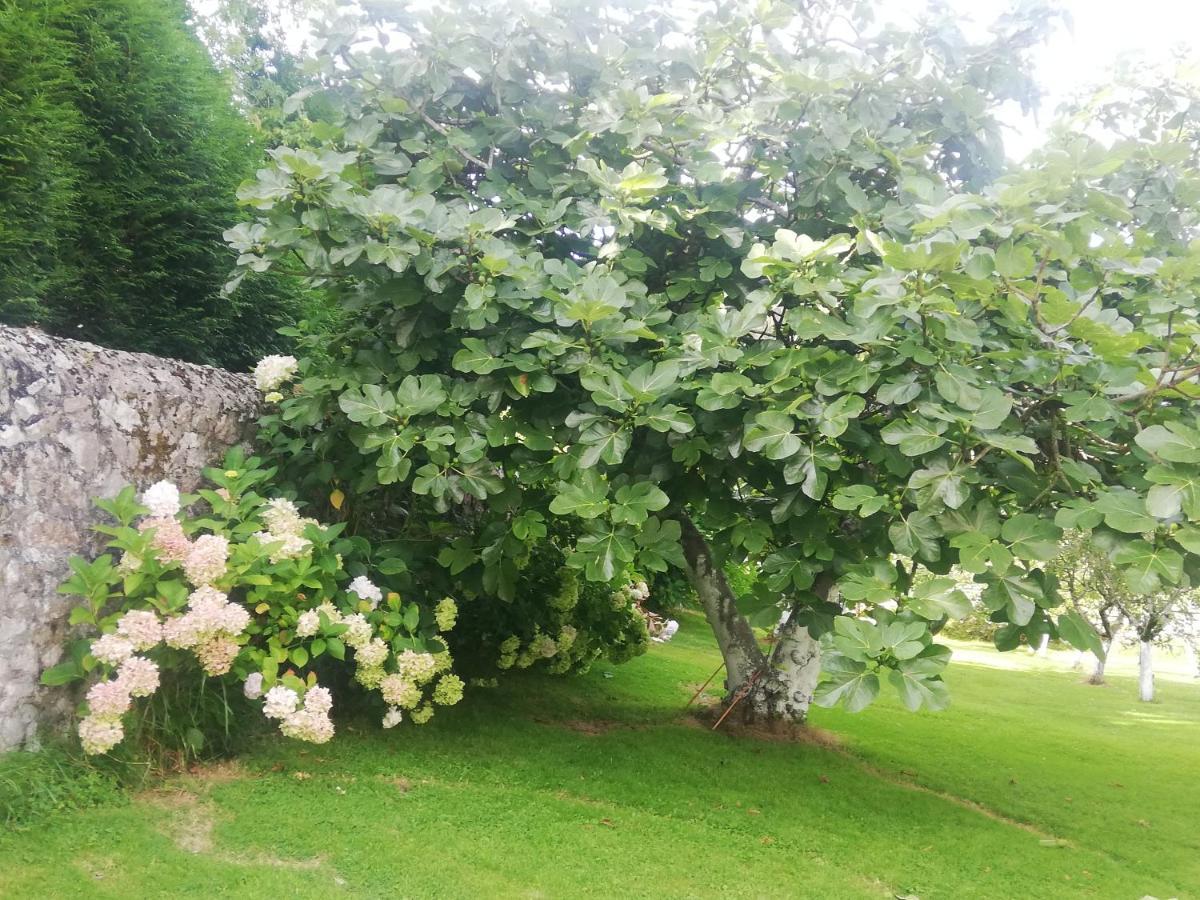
120 153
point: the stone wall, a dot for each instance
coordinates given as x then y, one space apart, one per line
78 421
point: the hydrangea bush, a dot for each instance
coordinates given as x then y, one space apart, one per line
244 587
556 622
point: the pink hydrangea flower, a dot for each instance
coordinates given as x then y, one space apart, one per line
108 698
169 540
139 676
141 628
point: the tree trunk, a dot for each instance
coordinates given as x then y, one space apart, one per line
735 637
782 685
1097 676
1146 672
1043 646
796 668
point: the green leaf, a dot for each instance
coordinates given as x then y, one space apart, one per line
1016 595
958 385
1145 566
1079 633
417 395
938 597
771 435
335 648
476 358
914 437
1014 261
603 554
858 639
1030 537
916 535
587 498
667 418
603 441
634 502
835 418
918 691
1174 442
64 673
649 381
854 690
368 405
1124 511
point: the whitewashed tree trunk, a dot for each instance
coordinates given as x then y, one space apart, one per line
1043 646
1146 672
1097 676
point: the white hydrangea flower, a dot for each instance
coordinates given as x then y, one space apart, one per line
100 734
282 516
207 559
358 631
307 725
253 686
162 499
308 624
416 667
318 700
397 691
273 371
108 699
280 702
373 654
365 590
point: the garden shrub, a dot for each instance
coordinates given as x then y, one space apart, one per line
242 587
557 621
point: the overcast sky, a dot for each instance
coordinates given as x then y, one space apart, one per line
1102 31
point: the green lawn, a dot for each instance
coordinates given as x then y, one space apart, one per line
1031 785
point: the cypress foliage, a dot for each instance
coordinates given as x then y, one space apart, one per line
120 152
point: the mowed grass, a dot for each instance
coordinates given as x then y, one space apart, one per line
1032 785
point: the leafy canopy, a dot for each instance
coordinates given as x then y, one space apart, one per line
617 268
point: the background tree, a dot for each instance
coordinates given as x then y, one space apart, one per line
1093 588
750 287
258 44
120 152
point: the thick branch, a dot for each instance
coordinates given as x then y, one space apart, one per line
735 637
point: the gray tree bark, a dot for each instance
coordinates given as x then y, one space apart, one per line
779 687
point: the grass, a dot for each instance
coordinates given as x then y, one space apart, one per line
1032 785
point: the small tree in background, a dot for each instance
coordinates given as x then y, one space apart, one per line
1093 588
748 287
